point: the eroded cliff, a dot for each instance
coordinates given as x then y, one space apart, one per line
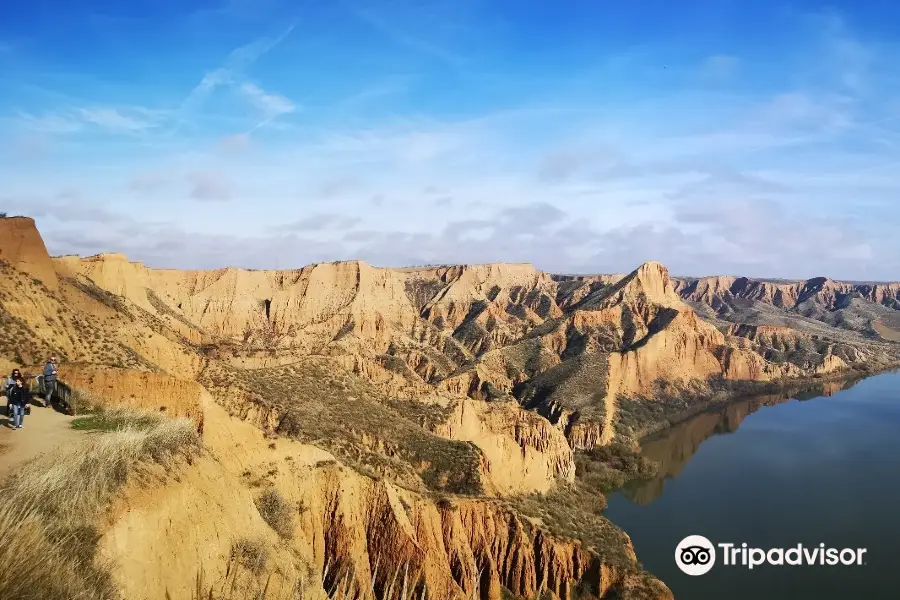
402 408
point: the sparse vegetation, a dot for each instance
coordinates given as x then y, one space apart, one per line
49 508
606 468
251 553
277 512
248 589
114 419
348 416
575 512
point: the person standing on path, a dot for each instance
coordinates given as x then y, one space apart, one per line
49 380
7 386
11 380
18 398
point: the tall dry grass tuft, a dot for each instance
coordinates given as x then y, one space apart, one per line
36 564
277 512
251 553
48 509
73 484
243 584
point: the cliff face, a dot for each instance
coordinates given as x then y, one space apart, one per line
23 248
157 392
393 387
488 332
523 450
491 331
717 292
363 536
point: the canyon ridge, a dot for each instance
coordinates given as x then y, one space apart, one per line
439 422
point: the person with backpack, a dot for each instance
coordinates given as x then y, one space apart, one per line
49 380
19 397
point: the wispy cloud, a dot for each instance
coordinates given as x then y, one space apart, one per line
850 58
50 123
321 221
129 120
239 60
271 105
114 119
148 183
409 40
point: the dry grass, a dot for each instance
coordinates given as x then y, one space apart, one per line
236 587
277 512
38 563
323 405
48 510
114 419
251 553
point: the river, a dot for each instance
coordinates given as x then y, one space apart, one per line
821 466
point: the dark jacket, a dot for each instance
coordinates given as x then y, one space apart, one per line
49 373
20 396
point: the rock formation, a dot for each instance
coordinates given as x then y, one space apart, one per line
420 399
23 249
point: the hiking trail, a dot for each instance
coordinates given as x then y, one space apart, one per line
43 430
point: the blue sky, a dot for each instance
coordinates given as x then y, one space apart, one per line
758 138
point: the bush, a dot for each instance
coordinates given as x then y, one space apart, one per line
607 468
277 512
444 503
252 553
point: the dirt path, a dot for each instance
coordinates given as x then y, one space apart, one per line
43 430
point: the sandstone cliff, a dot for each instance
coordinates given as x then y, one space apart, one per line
813 297
23 249
503 330
473 383
359 536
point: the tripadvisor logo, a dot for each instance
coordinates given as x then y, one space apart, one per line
696 555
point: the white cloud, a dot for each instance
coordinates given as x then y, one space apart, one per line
707 178
108 119
115 120
271 105
239 60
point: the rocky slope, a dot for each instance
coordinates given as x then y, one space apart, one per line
852 306
441 391
575 349
425 466
349 533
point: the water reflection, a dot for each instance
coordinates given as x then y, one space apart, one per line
675 446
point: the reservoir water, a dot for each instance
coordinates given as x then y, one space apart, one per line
820 466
